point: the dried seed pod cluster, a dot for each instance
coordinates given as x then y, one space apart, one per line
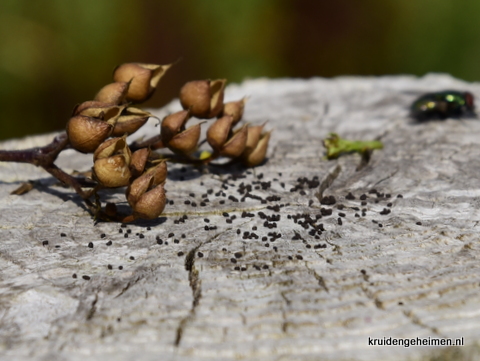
101 126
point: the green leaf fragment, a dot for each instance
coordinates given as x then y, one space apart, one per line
337 146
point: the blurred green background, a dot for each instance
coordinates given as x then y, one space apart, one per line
57 53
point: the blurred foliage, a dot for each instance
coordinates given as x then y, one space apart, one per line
56 53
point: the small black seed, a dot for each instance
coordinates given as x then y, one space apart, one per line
63 235
176 241
236 268
418 223
74 275
90 245
109 266
389 204
109 243
126 235
180 254
132 258
350 196
102 235
225 214
187 202
341 214
399 196
45 243
238 254
200 254
363 203
363 197
206 220
141 235
148 228
233 260
299 257
85 277
339 221
239 231
120 230
120 267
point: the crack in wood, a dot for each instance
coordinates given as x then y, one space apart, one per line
328 180
195 285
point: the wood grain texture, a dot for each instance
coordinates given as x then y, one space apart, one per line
266 281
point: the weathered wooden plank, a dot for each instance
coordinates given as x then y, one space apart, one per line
211 291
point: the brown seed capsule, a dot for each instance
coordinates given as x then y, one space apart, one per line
236 144
235 109
86 133
112 160
253 136
173 124
255 156
130 121
106 112
138 187
204 98
186 141
146 199
138 162
218 132
151 204
144 79
159 172
112 172
113 93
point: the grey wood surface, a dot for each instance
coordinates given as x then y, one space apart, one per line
211 291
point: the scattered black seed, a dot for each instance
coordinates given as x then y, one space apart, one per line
85 277
123 225
236 268
129 231
328 200
233 260
238 231
57 246
373 190
385 211
74 275
350 196
159 240
380 225
357 215
149 229
203 204
90 245
389 204
326 211
132 258
171 203
183 235
126 235
275 248
267 244
166 243
109 266
265 266
109 243
200 254
339 221
399 196
224 249
363 271
388 195
418 223
221 201
187 202
299 257
238 254
171 234
374 221
180 254
120 230
120 267
233 199
363 197
141 235
254 228
363 203
341 214
206 220
45 243
102 235
225 214
228 220
191 194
